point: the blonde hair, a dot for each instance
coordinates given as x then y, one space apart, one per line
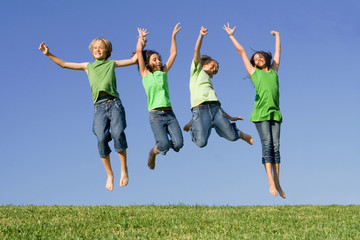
106 44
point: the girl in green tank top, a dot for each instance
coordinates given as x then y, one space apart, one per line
154 76
266 114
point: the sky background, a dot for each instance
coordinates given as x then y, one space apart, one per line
49 154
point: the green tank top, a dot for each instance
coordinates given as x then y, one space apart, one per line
157 90
267 104
101 74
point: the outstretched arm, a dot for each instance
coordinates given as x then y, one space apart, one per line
75 66
276 62
249 68
173 49
197 55
139 48
126 62
232 118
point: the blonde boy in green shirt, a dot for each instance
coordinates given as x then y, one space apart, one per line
102 80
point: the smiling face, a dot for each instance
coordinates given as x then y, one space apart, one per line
211 68
99 51
100 48
155 62
259 61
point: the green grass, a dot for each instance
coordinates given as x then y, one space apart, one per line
180 222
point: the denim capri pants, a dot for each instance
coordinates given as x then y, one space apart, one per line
109 123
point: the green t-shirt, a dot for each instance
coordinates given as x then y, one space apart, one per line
201 87
101 74
267 104
157 90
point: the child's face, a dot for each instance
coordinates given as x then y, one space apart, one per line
98 51
155 62
259 61
210 68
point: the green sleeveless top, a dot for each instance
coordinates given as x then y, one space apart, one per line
267 104
101 74
157 90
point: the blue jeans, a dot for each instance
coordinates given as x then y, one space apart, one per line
109 114
269 132
164 123
208 116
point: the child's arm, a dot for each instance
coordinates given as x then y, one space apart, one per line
173 49
139 48
197 55
249 68
276 62
232 118
75 66
126 62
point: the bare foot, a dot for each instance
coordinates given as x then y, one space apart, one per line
151 159
124 179
281 192
187 127
247 138
272 190
110 182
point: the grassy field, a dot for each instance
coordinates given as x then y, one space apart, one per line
180 222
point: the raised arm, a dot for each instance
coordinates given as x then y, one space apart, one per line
75 66
173 49
276 62
197 55
126 62
249 68
139 48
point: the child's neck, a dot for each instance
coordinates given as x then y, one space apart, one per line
265 69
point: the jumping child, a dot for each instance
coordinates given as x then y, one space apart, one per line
205 106
154 77
109 111
266 114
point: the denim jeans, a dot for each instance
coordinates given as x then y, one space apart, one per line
269 132
208 116
109 114
164 123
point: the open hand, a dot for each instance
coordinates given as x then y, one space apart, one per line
142 32
229 30
235 118
176 29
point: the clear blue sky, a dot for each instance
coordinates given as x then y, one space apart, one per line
48 151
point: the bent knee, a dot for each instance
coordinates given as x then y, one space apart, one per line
177 146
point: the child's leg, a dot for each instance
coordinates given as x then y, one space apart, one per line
109 172
101 127
276 170
173 127
188 126
152 156
159 127
124 179
201 125
118 125
269 173
275 132
264 130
